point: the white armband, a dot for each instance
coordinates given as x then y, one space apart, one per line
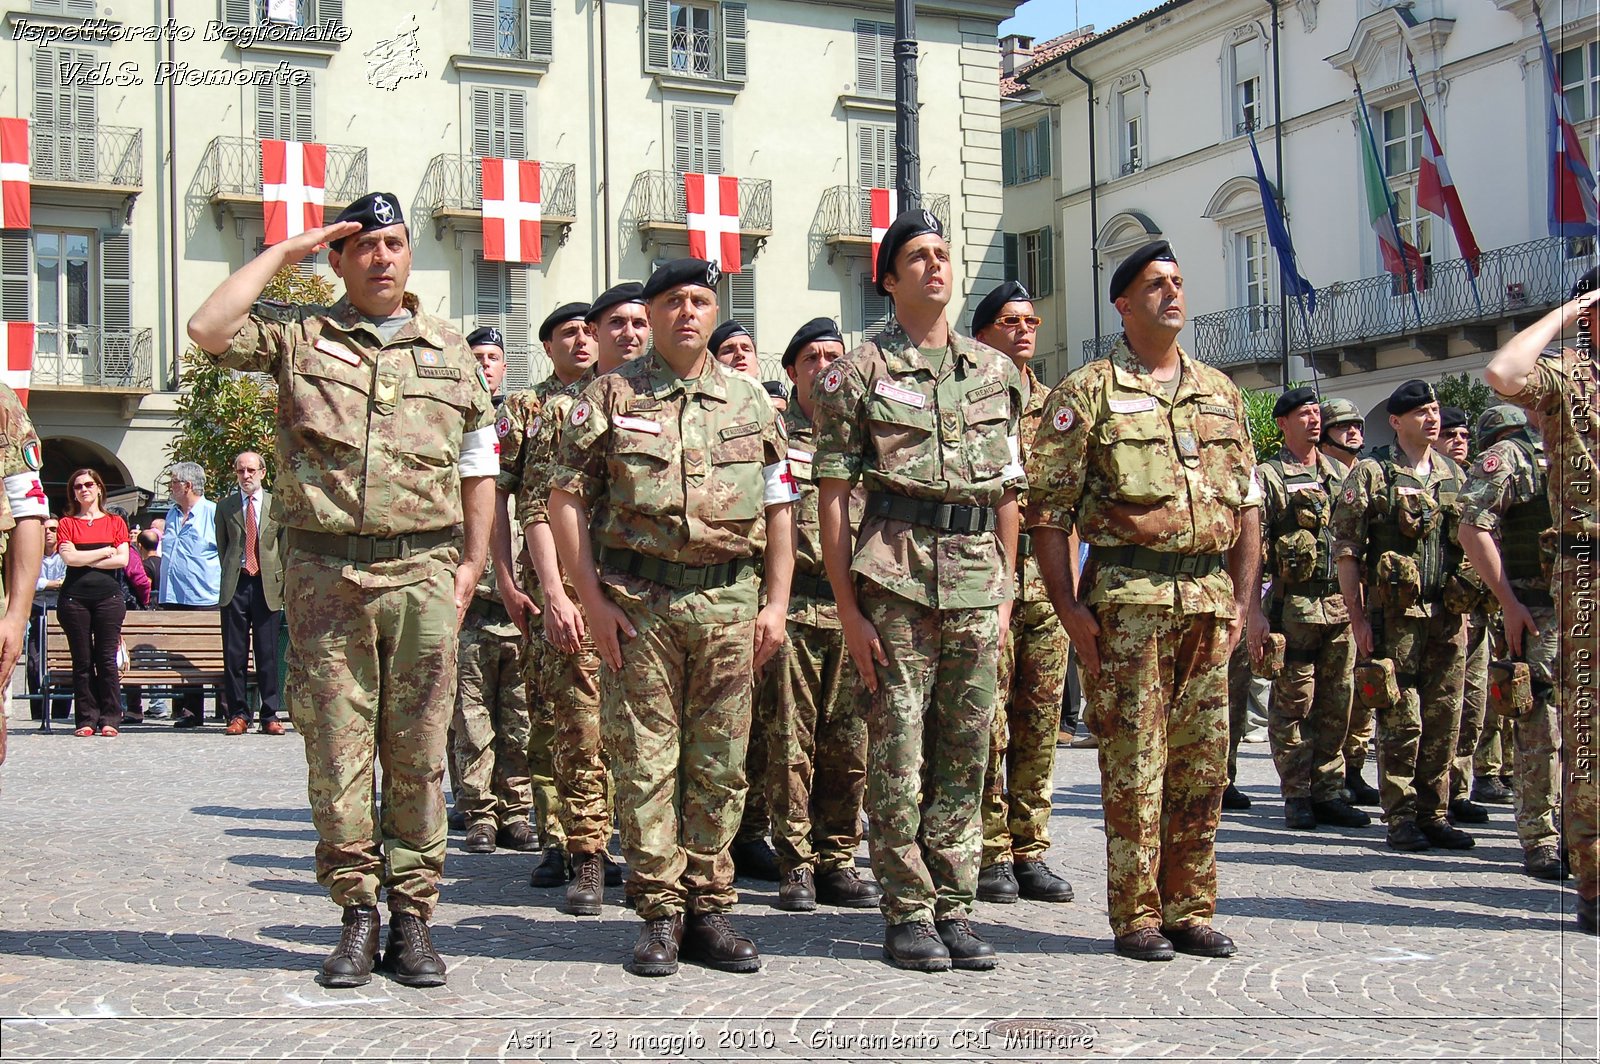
480 453
1014 471
1253 496
779 484
26 495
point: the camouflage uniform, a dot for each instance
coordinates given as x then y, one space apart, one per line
369 437
19 454
671 472
1474 703
1417 737
1506 494
1311 698
921 431
1156 486
818 703
1033 671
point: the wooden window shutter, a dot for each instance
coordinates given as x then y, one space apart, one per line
713 142
541 29
1044 284
305 111
514 323
657 37
1042 148
116 284
742 298
16 269
1008 156
683 140
516 125
236 12
735 56
484 21
1010 243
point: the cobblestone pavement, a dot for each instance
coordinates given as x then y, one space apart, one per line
159 904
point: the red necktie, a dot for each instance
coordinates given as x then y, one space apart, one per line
252 536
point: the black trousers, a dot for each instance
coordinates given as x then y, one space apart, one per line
94 631
247 622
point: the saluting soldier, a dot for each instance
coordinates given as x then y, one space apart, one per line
1561 389
1020 776
928 421
1394 543
386 443
23 509
1148 454
671 482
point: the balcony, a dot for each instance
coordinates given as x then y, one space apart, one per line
655 207
845 218
1096 349
87 166
1354 318
452 194
229 177
69 358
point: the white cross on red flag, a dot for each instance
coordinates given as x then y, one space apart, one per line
293 176
16 356
881 210
511 211
16 174
711 205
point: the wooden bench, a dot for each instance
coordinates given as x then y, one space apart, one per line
167 650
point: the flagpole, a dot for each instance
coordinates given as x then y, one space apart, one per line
1394 216
1472 276
1285 270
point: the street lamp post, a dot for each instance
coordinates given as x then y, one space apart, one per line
908 177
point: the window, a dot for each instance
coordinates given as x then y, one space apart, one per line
502 300
1248 62
78 8
64 115
1416 225
696 140
1255 278
513 29
287 12
1129 127
875 167
1580 81
499 124
1030 258
1402 139
875 309
704 40
874 58
83 308
1025 153
286 112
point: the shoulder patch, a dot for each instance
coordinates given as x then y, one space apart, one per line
30 454
580 412
484 381
533 430
783 430
1349 495
1064 419
502 425
832 379
1489 463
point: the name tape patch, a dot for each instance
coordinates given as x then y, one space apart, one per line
900 395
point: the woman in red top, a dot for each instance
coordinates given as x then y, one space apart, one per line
94 544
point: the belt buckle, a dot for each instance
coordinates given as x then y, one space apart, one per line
1188 564
359 551
383 550
675 574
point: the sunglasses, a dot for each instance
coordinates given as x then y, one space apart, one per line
86 485
1011 321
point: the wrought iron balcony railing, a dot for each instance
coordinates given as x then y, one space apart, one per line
455 183
656 198
91 155
231 169
1101 348
847 212
83 356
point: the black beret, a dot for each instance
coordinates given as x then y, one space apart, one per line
671 274
1409 396
1587 283
626 292
989 308
560 316
1293 400
776 389
375 210
725 332
1133 265
904 229
488 334
809 333
1452 417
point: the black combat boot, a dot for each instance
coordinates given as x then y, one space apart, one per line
916 946
967 951
1361 792
1037 882
998 883
1298 814
517 835
1439 833
799 891
710 939
409 956
1234 799
848 888
754 860
1466 811
352 960
552 869
586 892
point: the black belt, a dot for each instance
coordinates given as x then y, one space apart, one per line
1312 588
1578 546
1024 546
1535 597
944 516
490 610
673 574
368 549
812 586
1157 561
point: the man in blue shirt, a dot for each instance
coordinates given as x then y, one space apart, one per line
191 573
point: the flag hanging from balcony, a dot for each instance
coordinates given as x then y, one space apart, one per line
16 356
1399 256
511 211
882 204
1278 236
1436 189
293 176
16 175
1573 211
711 206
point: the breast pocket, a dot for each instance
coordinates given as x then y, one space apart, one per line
639 464
984 436
1140 464
328 398
735 488
902 438
1224 446
431 417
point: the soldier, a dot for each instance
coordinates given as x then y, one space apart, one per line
1033 665
818 710
1505 512
732 346
1343 432
385 444
1394 542
677 460
928 421
1309 715
1560 389
1455 435
22 516
489 735
1148 455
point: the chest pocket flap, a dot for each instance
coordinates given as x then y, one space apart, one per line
1139 458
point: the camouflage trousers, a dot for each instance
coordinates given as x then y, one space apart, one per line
1538 736
1574 590
372 676
1495 755
541 747
1310 713
1159 706
582 786
676 722
820 760
1474 705
1239 677
927 745
1417 737
1020 777
761 764
489 735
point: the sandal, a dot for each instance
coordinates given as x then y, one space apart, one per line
108 732
84 733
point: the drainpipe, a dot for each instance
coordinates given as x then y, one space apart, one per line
1094 205
1283 197
175 345
605 153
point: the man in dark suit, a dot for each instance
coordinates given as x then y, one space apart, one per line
251 597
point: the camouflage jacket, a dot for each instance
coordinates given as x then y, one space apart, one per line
539 456
19 456
804 608
889 419
369 433
1030 586
1275 476
675 468
1564 390
1129 467
1506 474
